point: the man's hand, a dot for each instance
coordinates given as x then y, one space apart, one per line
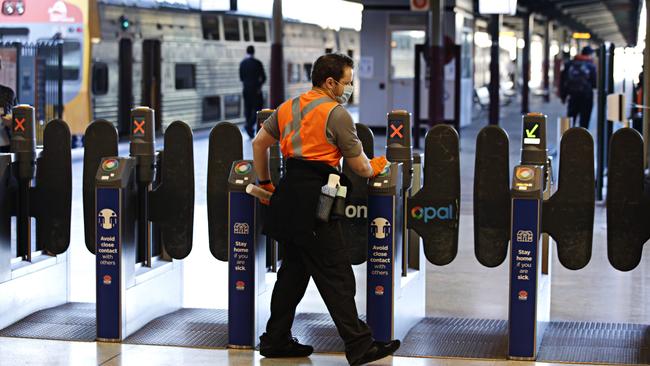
378 164
269 187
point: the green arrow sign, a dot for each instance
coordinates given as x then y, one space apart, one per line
531 133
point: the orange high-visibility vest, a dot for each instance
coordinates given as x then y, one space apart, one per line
303 128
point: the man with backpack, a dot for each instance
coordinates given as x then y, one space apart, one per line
578 80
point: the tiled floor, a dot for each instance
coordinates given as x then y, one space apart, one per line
17 352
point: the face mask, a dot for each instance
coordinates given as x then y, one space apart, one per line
347 93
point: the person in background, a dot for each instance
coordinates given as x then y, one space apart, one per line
7 102
252 76
577 84
637 110
315 132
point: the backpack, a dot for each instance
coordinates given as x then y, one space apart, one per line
578 78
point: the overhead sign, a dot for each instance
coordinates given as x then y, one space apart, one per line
508 7
420 5
579 35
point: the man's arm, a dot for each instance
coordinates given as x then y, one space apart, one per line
262 74
241 71
343 133
261 144
360 165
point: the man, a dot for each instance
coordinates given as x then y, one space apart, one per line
578 82
7 101
315 132
251 74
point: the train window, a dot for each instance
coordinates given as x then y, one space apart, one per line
211 109
100 78
328 50
185 76
211 27
247 31
232 106
293 72
402 53
259 31
71 59
307 68
231 29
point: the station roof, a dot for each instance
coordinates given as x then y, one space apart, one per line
614 21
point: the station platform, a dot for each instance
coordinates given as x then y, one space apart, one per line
452 292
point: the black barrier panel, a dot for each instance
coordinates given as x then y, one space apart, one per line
51 201
628 208
433 212
568 216
171 204
492 196
356 211
100 140
226 146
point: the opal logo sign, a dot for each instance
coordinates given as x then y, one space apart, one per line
432 213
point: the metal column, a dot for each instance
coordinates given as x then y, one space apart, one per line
546 65
277 79
436 74
646 94
528 20
601 99
494 28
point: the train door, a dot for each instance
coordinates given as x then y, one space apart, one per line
125 93
402 66
151 64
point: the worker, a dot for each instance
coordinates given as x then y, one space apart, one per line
315 132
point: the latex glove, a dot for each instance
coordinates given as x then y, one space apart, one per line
269 187
378 164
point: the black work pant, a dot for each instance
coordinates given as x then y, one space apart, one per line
253 102
329 265
581 106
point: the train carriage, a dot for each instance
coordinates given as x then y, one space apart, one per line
181 61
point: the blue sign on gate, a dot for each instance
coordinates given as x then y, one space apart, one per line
523 281
107 257
380 270
241 272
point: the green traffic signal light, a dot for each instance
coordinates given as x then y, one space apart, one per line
124 22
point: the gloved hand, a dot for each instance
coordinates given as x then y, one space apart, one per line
269 187
378 164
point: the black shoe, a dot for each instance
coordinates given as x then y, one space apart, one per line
377 351
291 349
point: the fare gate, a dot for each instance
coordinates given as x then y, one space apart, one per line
36 189
567 216
392 308
138 221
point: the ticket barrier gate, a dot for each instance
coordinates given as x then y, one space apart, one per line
139 213
35 184
567 216
395 270
628 214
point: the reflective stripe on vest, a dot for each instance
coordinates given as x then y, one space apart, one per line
303 130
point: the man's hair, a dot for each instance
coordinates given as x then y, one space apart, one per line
330 65
587 50
250 50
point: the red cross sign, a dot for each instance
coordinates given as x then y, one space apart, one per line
19 124
396 131
139 126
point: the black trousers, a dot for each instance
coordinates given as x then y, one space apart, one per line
253 102
581 106
329 265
